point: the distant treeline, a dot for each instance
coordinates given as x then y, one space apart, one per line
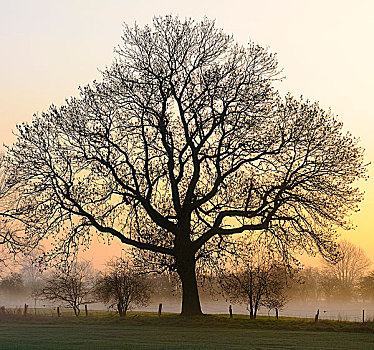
255 279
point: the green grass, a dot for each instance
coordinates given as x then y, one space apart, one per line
146 331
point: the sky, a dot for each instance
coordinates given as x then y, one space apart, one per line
50 47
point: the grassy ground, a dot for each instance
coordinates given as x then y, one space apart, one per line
147 331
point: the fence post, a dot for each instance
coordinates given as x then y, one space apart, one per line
159 309
86 309
363 316
25 310
276 313
316 317
230 310
58 311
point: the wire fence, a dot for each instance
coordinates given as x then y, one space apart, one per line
355 312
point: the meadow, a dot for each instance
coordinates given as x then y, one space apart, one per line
106 331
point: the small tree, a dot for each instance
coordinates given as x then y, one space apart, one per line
122 287
72 286
256 278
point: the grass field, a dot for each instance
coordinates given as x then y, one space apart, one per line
146 331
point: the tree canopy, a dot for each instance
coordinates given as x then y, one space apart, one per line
183 144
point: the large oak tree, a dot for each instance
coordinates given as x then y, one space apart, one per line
183 144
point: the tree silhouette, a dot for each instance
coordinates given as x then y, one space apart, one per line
70 286
123 287
340 279
182 145
255 276
351 265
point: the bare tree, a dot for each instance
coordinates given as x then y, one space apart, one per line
340 279
71 286
123 287
255 277
183 145
351 265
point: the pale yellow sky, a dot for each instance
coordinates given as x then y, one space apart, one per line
50 47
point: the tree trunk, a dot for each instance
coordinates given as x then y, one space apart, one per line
255 309
76 311
251 314
121 310
190 297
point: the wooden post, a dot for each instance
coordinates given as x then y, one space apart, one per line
230 310
363 316
58 311
159 309
276 313
86 310
316 317
25 310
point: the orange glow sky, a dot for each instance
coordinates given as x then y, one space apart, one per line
50 47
